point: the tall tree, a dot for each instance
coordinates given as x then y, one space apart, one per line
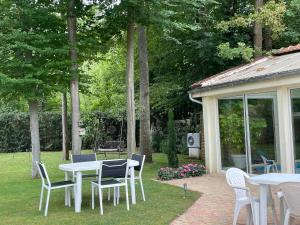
131 141
145 145
32 52
258 30
72 32
64 122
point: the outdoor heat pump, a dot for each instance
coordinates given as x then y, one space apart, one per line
193 143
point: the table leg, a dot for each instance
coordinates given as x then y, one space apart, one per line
66 191
78 196
132 185
263 214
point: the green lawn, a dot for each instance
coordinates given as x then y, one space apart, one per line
19 197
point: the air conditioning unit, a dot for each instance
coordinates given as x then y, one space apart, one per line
193 140
193 143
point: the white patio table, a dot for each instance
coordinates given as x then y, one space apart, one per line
77 168
264 181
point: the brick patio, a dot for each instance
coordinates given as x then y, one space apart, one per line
215 206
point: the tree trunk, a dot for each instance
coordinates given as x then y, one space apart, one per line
145 145
131 143
35 136
72 29
64 122
258 34
268 39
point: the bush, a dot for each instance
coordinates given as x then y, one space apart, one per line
185 171
15 131
172 152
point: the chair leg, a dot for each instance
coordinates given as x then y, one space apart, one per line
249 216
108 194
41 199
127 198
287 218
47 203
118 195
69 196
93 197
115 195
142 189
236 214
100 200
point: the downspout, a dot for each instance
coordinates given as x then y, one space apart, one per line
194 100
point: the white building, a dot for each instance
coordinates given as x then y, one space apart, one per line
253 110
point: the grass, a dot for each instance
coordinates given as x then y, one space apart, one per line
19 196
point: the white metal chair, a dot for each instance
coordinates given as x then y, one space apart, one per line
139 169
269 164
46 184
85 158
289 194
116 170
236 179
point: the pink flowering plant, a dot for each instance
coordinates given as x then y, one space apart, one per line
184 171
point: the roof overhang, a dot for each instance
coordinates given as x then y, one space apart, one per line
269 81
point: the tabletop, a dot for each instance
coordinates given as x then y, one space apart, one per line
274 178
91 165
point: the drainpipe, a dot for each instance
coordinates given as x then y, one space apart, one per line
194 100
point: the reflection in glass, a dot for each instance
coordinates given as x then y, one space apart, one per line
295 95
231 119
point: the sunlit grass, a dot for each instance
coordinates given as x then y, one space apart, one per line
19 196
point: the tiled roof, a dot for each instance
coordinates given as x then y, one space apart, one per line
281 64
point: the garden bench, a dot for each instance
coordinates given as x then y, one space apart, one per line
111 147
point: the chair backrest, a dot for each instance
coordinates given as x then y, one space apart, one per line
140 159
114 169
264 159
237 178
291 193
43 173
84 158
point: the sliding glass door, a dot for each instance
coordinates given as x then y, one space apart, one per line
232 136
248 131
295 102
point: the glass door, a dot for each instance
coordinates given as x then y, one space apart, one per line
263 132
232 135
249 132
295 102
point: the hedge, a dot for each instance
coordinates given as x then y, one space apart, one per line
15 131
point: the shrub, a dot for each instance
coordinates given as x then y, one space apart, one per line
188 170
172 152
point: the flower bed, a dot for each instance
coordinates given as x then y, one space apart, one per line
188 170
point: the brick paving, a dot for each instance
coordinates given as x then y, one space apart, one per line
215 206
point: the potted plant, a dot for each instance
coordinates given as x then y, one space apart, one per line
232 135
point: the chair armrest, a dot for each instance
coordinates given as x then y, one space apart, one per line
280 194
241 188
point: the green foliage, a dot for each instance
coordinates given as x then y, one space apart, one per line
232 127
270 15
33 49
243 51
172 152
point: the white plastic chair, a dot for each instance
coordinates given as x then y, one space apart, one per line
236 179
269 164
290 193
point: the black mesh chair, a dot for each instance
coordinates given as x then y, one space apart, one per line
46 184
85 158
109 173
139 169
